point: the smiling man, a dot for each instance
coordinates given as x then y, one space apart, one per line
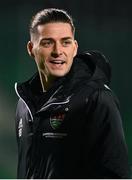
68 123
53 47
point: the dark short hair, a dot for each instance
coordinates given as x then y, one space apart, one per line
50 15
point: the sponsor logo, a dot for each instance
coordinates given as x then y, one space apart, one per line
20 127
54 135
56 120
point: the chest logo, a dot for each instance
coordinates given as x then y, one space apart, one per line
56 120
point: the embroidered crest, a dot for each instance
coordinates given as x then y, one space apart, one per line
56 120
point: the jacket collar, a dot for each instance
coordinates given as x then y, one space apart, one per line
83 70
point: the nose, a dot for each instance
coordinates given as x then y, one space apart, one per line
57 50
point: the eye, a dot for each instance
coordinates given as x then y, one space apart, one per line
46 43
66 43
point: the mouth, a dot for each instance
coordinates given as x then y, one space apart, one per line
57 61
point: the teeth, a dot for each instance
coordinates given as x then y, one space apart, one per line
57 62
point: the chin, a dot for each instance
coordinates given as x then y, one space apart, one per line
60 74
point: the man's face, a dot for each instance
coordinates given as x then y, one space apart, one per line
54 48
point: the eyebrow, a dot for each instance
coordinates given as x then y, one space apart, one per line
66 38
51 39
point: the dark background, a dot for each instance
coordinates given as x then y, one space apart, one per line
104 25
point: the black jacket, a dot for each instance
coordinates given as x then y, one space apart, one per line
74 130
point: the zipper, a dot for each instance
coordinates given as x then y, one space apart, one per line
50 101
23 102
57 103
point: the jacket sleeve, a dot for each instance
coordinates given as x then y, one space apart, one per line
17 119
23 138
106 137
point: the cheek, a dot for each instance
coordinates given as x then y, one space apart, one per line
44 54
39 59
73 51
72 54
38 55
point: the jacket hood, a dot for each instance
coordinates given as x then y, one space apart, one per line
87 66
98 64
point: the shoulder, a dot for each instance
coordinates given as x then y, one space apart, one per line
103 109
105 97
21 104
21 108
103 101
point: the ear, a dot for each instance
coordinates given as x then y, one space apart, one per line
76 48
30 48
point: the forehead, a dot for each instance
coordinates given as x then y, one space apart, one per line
56 29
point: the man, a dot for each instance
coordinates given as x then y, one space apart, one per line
68 122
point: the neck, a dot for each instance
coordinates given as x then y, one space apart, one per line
46 81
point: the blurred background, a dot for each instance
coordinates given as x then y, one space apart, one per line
104 25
